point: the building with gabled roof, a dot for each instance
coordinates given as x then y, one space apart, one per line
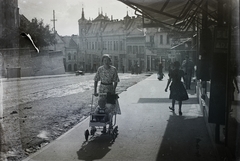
105 36
126 41
71 53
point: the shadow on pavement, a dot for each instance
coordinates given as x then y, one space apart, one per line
186 139
165 100
96 148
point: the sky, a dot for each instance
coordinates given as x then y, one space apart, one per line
68 12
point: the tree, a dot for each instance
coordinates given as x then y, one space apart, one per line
40 33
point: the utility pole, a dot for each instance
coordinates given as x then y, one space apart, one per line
54 27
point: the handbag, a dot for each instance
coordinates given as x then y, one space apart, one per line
111 98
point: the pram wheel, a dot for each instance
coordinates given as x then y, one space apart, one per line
114 132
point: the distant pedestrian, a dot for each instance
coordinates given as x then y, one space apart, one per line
160 71
170 68
188 68
160 68
132 69
177 89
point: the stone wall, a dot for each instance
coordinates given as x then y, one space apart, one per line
31 63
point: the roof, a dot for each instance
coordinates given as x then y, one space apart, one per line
101 17
172 14
116 27
69 41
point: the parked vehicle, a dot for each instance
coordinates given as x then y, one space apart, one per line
79 72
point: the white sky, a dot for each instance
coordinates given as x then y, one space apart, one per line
67 12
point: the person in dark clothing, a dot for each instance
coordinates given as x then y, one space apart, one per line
188 68
177 89
160 71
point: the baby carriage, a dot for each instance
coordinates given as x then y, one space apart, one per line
103 117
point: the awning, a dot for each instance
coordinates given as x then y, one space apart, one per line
173 14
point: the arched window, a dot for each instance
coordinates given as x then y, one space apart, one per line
69 56
75 67
75 56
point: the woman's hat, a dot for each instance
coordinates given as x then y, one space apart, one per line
106 56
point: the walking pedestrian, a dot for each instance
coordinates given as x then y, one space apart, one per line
177 89
188 68
108 76
160 71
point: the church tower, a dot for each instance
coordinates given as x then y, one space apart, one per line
82 24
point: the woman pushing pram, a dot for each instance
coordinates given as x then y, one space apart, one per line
107 101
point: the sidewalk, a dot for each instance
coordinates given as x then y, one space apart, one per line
148 131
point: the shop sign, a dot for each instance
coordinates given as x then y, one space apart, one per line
221 40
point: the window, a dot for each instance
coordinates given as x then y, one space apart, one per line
105 45
121 46
129 49
111 45
117 45
141 49
69 67
75 67
152 39
114 45
69 56
161 39
168 39
135 49
99 45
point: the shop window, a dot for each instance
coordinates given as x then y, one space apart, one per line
161 39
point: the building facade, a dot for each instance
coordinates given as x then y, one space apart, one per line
123 40
126 41
9 22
